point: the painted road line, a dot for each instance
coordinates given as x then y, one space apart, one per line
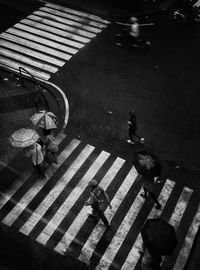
189 240
27 60
98 231
84 20
134 254
180 207
76 12
30 52
38 185
123 229
83 215
27 173
35 46
48 37
53 30
72 198
76 34
38 39
13 66
55 192
68 22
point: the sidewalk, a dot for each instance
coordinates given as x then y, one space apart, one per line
18 103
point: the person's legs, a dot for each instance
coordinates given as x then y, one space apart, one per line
130 134
39 170
102 216
145 194
158 206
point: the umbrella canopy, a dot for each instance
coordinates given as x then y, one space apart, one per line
23 137
44 119
159 236
146 164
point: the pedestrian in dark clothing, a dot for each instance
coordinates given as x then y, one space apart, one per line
150 260
148 186
132 128
98 198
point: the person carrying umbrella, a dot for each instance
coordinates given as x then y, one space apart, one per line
98 198
34 151
51 147
27 139
159 239
47 121
148 167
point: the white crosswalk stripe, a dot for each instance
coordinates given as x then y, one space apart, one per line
43 41
88 162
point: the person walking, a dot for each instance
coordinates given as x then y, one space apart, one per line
150 260
148 187
132 128
35 152
98 198
50 146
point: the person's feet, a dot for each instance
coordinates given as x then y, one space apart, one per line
158 206
143 195
141 140
129 141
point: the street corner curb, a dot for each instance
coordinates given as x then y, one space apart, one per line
60 97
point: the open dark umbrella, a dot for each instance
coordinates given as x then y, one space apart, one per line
146 164
159 236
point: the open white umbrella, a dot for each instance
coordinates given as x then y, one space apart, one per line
44 119
23 137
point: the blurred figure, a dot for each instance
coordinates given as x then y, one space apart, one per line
36 154
131 34
150 260
98 198
51 147
148 187
132 128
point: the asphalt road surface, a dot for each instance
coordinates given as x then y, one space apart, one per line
102 82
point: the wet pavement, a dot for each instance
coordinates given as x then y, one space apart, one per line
161 85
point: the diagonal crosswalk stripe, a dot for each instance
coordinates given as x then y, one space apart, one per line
72 198
54 193
83 163
98 231
81 218
27 173
189 239
27 198
43 41
134 254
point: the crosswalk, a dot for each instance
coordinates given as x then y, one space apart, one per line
52 212
43 41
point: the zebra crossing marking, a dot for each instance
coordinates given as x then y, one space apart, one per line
43 41
189 239
107 257
76 12
54 193
33 45
89 247
73 17
27 51
72 198
38 185
81 218
134 254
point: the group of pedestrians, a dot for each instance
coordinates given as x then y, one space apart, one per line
43 152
